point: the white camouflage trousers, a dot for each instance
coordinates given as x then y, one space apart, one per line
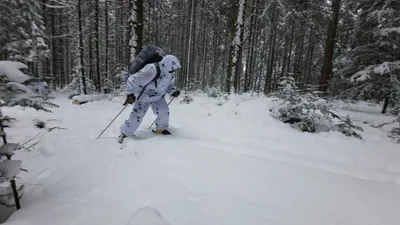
160 108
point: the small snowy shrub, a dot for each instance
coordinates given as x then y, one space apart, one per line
197 93
222 100
6 120
13 93
187 99
9 169
395 131
346 127
213 92
395 111
307 112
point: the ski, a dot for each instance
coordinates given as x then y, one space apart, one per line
164 132
123 140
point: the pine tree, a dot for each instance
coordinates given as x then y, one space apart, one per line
375 66
308 112
326 73
234 63
23 37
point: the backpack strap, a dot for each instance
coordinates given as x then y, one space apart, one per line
158 73
154 79
158 69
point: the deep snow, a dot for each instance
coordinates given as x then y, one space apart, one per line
223 165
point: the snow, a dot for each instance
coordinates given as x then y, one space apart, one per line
7 198
12 71
386 31
10 168
383 68
224 165
20 87
8 149
386 67
147 216
361 75
87 98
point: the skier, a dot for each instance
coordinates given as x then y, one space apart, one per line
148 87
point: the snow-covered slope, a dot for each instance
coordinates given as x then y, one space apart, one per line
224 165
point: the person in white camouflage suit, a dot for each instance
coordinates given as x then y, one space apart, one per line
149 85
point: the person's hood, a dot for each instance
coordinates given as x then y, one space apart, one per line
169 64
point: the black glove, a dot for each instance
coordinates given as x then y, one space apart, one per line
175 93
130 99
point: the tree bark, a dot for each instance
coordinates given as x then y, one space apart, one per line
386 104
98 72
250 51
236 29
107 37
191 24
53 50
139 24
326 72
81 50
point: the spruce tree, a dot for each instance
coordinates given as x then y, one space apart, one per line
374 57
14 94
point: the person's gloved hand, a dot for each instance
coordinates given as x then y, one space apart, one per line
130 99
176 93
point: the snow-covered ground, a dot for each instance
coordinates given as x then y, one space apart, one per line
224 165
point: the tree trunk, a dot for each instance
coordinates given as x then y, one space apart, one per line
107 36
253 61
98 76
46 65
204 69
81 50
250 45
290 49
326 72
191 24
139 24
53 50
271 54
131 35
215 55
386 104
91 64
236 28
240 24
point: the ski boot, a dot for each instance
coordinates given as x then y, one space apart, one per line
121 138
165 132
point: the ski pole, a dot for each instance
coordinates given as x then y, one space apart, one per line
156 118
125 105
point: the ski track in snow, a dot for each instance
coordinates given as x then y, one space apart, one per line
230 164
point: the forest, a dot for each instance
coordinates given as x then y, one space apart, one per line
342 49
249 71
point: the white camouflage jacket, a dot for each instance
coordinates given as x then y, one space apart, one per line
156 88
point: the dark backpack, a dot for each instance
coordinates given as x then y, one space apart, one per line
148 54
